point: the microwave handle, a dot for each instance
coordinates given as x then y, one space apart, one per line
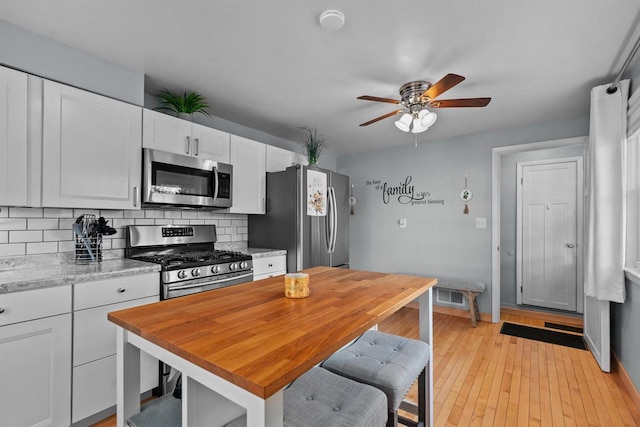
216 183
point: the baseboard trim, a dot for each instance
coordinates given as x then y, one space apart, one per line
551 317
458 312
617 368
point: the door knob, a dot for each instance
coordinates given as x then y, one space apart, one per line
570 245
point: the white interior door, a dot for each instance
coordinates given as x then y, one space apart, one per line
597 321
549 217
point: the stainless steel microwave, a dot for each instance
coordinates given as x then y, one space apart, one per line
177 180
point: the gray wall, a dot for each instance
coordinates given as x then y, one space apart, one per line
508 207
439 238
41 56
625 318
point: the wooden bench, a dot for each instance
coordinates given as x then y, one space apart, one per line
470 289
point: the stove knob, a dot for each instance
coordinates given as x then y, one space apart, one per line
233 266
195 272
182 274
215 269
244 264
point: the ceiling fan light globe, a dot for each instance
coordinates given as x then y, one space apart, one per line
404 123
428 119
417 126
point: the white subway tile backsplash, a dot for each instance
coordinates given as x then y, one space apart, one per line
143 221
57 235
25 212
13 249
42 248
26 231
112 214
189 215
154 214
134 214
67 246
25 236
58 213
13 223
42 224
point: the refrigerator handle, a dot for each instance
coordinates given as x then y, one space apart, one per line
328 219
334 229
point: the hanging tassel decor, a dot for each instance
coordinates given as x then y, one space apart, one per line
466 195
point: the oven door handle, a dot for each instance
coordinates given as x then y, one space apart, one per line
195 285
216 184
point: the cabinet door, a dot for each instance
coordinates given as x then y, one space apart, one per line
91 150
166 133
210 144
13 138
94 384
249 175
279 159
35 372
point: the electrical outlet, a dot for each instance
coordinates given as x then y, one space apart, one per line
402 222
481 222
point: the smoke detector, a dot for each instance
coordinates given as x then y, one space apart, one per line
332 20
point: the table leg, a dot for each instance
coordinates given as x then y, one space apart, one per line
426 334
128 380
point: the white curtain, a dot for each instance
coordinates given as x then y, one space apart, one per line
605 213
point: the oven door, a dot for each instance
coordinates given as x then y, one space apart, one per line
174 290
175 179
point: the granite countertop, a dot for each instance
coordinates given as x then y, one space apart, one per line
51 275
263 252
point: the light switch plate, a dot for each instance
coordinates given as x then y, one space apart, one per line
402 222
481 222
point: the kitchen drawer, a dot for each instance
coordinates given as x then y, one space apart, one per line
28 305
268 275
103 292
94 337
94 384
269 265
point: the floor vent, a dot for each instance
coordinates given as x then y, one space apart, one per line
450 297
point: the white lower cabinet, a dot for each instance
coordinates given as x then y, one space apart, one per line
265 267
35 358
94 340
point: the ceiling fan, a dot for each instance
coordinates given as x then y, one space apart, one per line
417 96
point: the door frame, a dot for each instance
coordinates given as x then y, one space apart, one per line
579 225
496 154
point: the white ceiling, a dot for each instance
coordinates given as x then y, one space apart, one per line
268 65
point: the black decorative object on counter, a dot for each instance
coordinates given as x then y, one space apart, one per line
88 233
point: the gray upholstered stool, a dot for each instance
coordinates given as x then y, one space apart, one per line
320 398
388 362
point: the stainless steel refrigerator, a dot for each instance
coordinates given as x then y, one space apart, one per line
310 240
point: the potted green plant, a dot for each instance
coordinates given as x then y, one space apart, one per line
313 145
183 105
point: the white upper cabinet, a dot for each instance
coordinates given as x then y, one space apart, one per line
13 138
279 159
249 175
167 133
91 150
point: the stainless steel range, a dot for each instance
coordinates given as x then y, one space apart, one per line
189 262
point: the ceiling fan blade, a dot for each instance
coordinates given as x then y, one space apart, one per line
443 85
468 102
377 99
377 119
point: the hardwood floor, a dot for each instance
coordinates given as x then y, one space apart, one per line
483 378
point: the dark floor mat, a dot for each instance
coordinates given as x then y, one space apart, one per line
563 327
544 335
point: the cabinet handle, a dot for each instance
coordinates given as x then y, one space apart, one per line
121 290
1 310
196 146
135 196
188 142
